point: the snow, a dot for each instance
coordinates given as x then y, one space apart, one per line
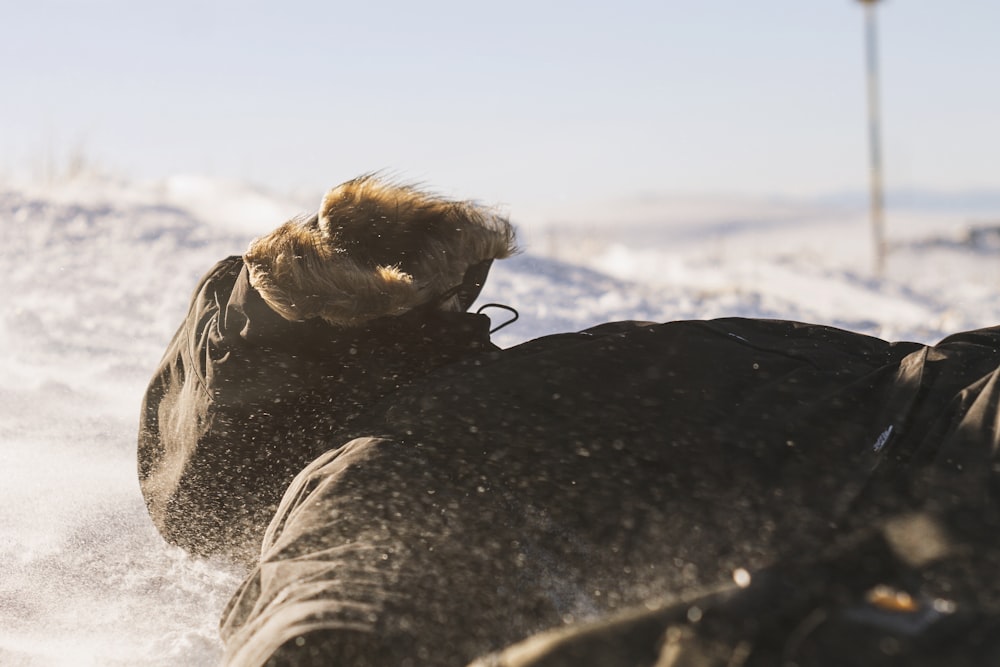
98 272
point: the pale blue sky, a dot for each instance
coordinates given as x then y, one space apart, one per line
516 102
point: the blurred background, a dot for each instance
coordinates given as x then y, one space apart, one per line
538 106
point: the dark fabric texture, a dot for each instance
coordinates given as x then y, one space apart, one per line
869 600
243 399
583 474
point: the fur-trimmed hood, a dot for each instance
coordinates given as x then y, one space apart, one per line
374 249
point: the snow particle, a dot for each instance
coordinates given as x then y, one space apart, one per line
944 606
882 439
741 577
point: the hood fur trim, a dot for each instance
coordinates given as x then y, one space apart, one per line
375 249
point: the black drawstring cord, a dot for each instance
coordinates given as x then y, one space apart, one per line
504 307
436 302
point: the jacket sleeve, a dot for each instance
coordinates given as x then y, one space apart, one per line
221 429
179 420
243 399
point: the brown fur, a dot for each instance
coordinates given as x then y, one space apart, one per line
375 248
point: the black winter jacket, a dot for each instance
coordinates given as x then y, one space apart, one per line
453 498
243 399
581 474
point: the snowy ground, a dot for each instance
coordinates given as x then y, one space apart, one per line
97 276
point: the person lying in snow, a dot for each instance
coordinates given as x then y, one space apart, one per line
284 347
405 492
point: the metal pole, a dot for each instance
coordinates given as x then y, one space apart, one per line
875 138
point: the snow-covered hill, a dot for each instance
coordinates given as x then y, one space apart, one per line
97 274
